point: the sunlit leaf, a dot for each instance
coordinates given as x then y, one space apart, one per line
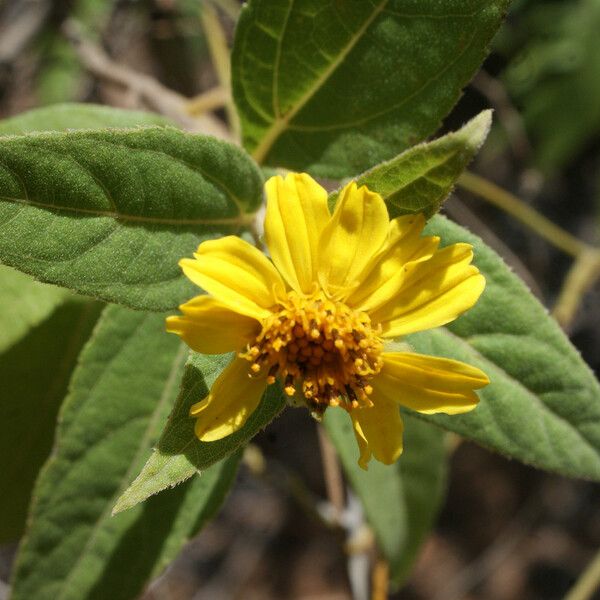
337 87
71 115
120 395
421 178
543 404
179 454
110 213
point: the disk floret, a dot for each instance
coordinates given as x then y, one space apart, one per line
323 351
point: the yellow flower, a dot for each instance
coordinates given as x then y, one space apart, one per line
316 316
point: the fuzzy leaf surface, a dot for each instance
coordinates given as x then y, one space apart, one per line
335 88
542 406
120 394
110 213
179 454
72 115
35 372
24 303
400 501
419 179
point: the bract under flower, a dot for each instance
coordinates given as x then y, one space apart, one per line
317 315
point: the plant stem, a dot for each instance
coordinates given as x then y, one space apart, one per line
579 280
148 90
231 7
514 206
380 580
275 474
332 473
588 582
219 51
584 273
207 101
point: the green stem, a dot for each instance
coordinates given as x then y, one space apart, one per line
582 276
207 101
514 206
585 271
231 7
219 51
588 582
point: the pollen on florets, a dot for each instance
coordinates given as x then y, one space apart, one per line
323 352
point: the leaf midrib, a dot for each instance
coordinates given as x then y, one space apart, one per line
243 219
422 175
281 123
144 444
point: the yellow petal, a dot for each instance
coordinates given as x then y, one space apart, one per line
429 384
210 327
434 292
378 430
385 276
353 235
237 274
232 399
296 214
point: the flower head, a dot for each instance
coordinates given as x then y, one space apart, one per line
317 315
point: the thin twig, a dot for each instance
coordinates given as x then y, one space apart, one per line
584 273
332 472
152 93
582 276
276 474
588 582
514 206
230 7
207 101
380 580
460 213
219 52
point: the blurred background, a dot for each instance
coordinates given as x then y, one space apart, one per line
505 532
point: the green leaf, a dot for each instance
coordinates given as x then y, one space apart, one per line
542 406
61 74
70 115
34 373
179 454
400 501
23 304
337 87
555 78
120 394
110 213
421 178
